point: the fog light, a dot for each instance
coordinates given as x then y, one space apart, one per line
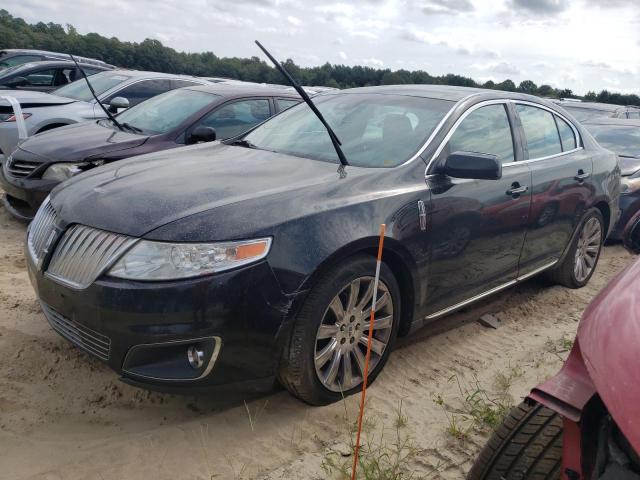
195 356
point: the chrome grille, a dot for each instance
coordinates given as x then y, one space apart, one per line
20 168
89 340
41 232
84 253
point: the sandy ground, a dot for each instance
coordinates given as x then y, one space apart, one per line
64 415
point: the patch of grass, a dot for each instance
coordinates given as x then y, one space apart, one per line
559 347
385 453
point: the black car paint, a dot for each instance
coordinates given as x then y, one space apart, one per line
223 192
99 140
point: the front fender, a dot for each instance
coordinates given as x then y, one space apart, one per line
569 391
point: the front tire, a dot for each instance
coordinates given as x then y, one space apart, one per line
578 266
527 446
325 357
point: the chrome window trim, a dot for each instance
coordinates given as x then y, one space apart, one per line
119 88
487 293
457 124
506 101
437 129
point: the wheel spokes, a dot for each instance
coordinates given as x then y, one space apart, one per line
334 367
381 323
326 353
376 345
366 298
347 374
382 301
337 308
327 331
354 290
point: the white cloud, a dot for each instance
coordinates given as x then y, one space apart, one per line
372 62
342 55
296 22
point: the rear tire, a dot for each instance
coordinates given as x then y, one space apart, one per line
305 369
527 446
565 273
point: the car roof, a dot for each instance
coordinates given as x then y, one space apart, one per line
627 122
605 107
239 89
441 92
141 74
61 63
27 51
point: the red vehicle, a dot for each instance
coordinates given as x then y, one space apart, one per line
583 423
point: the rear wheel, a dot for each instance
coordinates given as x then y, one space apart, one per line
578 266
326 355
527 446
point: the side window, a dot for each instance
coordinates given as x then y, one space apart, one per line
633 114
141 91
235 118
541 131
41 78
183 83
567 137
284 103
485 130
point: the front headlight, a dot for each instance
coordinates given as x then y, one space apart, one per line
629 184
64 171
149 260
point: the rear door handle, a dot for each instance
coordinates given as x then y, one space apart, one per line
516 190
581 176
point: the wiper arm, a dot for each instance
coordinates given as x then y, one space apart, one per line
243 143
128 126
334 138
93 92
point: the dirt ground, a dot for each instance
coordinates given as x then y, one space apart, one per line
63 415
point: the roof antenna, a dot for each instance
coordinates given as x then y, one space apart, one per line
334 138
93 92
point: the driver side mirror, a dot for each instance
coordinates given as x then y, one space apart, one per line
118 103
472 165
201 134
631 235
17 82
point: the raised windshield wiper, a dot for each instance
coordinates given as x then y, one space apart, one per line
243 143
128 126
93 92
334 138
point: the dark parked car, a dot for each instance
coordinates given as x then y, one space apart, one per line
254 257
172 119
622 137
586 111
12 57
583 422
44 76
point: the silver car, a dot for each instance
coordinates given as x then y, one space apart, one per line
73 103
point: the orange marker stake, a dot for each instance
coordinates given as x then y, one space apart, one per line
366 361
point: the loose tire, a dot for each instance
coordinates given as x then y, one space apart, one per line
578 266
325 357
527 446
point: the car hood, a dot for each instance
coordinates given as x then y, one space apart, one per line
80 141
609 338
140 194
35 99
629 165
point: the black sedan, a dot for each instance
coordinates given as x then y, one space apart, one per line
45 76
622 137
175 118
254 258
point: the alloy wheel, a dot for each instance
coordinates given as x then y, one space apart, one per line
588 248
341 340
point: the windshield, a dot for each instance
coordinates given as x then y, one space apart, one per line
376 130
166 111
101 82
7 72
621 139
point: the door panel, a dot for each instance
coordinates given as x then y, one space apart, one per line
477 227
561 186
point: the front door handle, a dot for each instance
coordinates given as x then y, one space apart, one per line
581 176
516 190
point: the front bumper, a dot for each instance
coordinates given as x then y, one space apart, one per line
25 195
629 204
244 310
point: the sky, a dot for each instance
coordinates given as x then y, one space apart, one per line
578 44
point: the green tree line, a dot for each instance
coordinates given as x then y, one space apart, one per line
153 55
